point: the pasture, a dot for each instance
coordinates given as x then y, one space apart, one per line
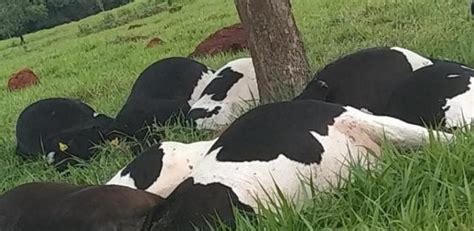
431 189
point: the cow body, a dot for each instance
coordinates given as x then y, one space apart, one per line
58 207
284 144
163 90
365 79
232 89
47 124
162 167
442 93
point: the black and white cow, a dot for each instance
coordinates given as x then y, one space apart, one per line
232 90
162 167
397 82
440 93
59 207
283 144
163 90
61 129
366 78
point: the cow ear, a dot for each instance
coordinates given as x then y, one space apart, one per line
62 146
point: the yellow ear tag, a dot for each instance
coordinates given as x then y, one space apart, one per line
62 147
115 142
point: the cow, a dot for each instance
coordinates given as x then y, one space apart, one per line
59 206
162 91
160 168
59 129
364 79
438 95
285 144
233 88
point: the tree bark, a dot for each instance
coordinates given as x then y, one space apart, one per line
276 47
472 7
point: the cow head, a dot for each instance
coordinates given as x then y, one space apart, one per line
68 146
193 205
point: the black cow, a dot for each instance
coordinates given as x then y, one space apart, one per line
61 129
364 79
163 90
283 144
65 207
440 94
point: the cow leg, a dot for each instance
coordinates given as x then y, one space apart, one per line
379 128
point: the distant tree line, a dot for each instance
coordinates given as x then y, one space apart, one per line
19 17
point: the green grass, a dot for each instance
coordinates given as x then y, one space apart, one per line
430 189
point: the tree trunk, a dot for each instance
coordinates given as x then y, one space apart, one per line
22 40
100 4
276 48
472 7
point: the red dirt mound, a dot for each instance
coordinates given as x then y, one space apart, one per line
154 42
22 79
228 39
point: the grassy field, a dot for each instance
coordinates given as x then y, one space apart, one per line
429 189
